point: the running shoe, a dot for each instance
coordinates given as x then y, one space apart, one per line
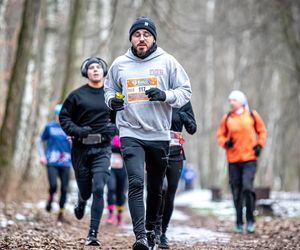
238 229
164 242
79 209
250 227
92 240
141 243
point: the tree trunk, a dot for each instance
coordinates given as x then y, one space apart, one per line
10 23
287 23
9 129
33 125
74 49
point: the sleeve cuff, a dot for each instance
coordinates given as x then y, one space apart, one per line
109 103
170 97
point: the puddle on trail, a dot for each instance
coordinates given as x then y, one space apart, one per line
186 234
191 235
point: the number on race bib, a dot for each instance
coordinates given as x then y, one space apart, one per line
136 88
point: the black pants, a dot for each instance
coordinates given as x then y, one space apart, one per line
117 187
135 154
62 173
172 178
91 165
241 180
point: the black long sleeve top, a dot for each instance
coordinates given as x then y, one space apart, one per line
182 117
85 106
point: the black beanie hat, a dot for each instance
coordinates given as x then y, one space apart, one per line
87 62
91 61
143 23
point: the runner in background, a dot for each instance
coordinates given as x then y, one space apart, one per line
86 118
180 117
242 133
117 185
188 176
56 156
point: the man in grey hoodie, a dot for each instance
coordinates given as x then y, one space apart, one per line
152 82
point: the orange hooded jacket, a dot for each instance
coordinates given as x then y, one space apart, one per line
243 133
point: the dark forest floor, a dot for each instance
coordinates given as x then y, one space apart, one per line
38 229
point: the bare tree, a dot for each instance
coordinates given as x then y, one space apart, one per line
9 129
75 47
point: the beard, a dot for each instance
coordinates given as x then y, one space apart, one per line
141 51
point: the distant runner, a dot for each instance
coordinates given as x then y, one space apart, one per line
242 134
117 185
56 156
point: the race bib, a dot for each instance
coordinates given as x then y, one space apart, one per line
116 161
136 88
176 139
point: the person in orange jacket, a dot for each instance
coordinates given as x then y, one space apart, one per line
242 134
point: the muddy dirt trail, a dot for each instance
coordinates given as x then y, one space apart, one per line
34 228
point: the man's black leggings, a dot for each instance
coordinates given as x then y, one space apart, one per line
91 165
241 179
62 173
117 187
172 178
135 153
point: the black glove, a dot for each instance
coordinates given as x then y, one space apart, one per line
229 143
116 104
183 116
257 150
156 94
189 124
83 132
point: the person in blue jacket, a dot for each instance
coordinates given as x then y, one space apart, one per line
57 158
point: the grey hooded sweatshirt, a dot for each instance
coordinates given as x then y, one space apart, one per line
141 118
